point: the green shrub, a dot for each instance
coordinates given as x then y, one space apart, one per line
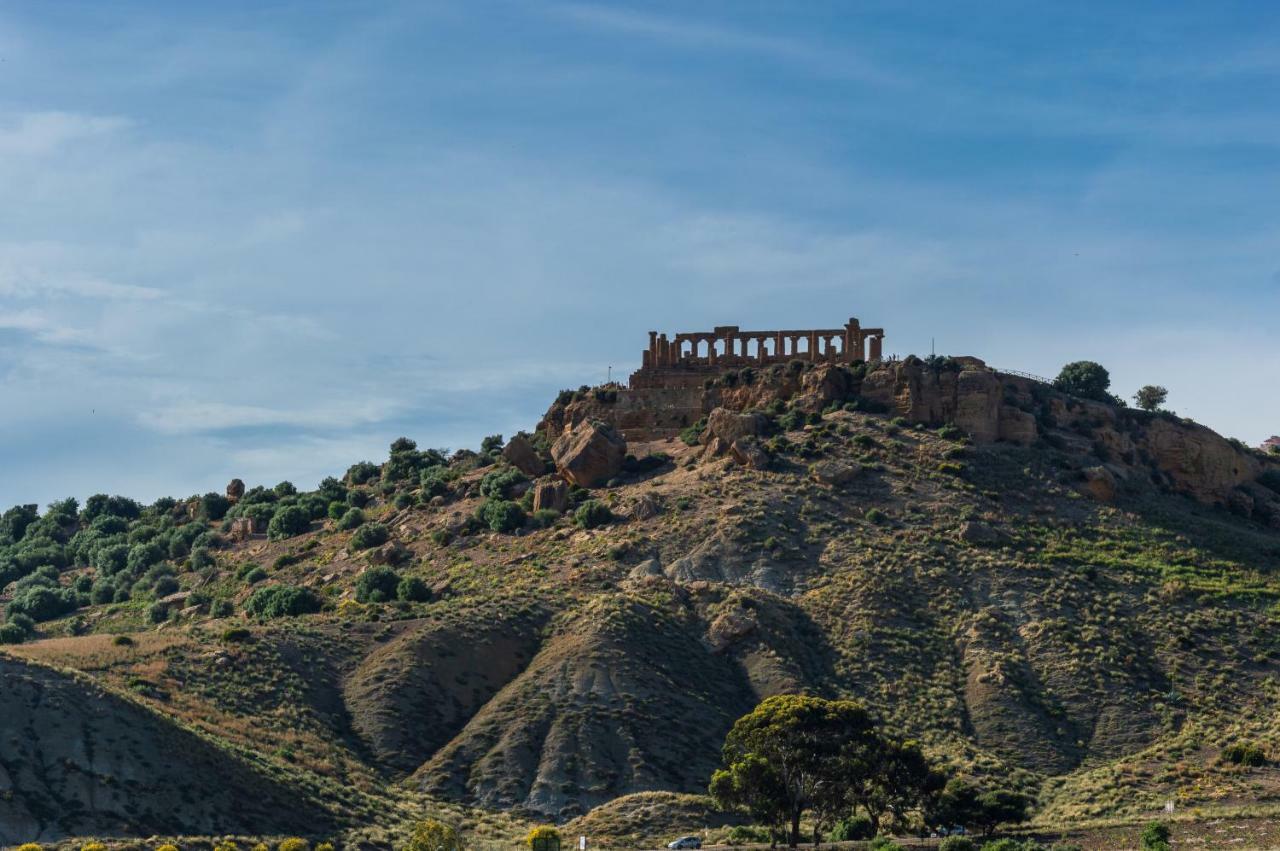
293 843
1244 753
435 481
498 483
501 515
441 537
273 601
1155 837
361 472
543 838
692 435
11 633
957 843
544 518
744 834
413 590
41 603
432 835
353 519
370 535
214 506
200 558
254 575
122 641
592 513
158 613
288 521
403 500
222 609
853 827
875 515
377 585
884 843
236 634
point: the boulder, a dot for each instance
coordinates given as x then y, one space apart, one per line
550 493
520 454
748 452
645 507
1099 484
715 447
242 529
730 628
392 552
590 454
729 426
235 490
823 386
833 472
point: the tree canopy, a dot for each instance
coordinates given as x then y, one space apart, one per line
1150 397
795 754
1086 379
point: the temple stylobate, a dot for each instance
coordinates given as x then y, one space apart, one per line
728 345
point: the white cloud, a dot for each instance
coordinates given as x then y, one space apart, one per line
194 417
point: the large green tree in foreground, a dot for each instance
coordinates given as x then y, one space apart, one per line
795 754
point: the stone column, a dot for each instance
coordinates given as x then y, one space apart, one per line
712 357
653 348
875 347
761 357
778 346
813 346
852 341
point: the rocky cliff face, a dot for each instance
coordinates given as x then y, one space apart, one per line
1122 448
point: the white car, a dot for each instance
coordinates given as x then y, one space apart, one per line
686 842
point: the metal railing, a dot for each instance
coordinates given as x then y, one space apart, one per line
1020 374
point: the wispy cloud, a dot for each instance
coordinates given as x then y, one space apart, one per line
193 417
688 33
34 134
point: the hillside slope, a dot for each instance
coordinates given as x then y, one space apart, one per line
1084 608
77 759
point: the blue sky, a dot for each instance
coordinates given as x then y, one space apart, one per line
265 239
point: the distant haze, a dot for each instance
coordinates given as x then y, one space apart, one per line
264 240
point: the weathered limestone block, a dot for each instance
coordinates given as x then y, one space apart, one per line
729 426
1196 459
520 454
242 528
235 490
550 493
1016 426
967 394
589 455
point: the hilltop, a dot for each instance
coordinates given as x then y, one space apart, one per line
1071 597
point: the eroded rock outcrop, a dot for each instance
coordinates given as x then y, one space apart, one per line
519 453
590 454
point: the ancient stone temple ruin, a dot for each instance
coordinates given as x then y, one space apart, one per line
686 358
